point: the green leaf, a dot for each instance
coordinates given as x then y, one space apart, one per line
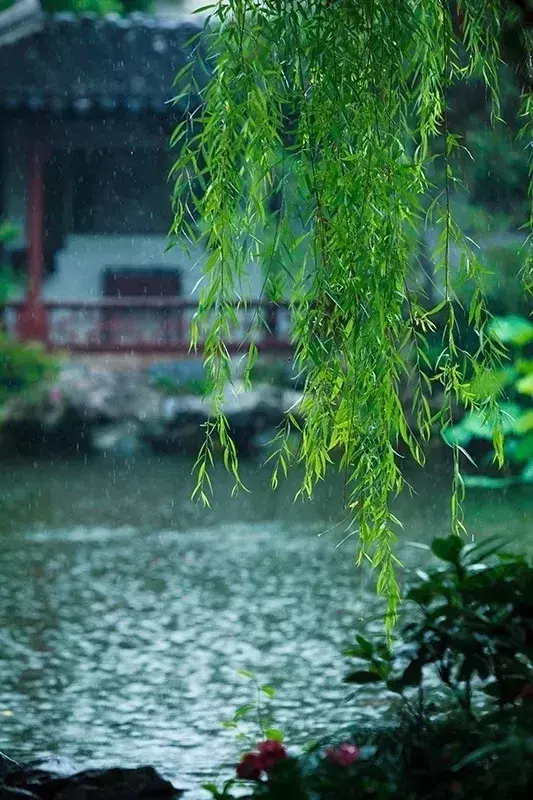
269 691
362 649
483 752
421 593
512 329
448 549
366 647
489 383
521 450
245 673
524 422
243 711
413 674
395 685
475 552
275 734
525 385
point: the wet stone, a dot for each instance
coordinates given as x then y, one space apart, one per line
34 781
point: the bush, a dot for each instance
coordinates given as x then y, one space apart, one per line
23 367
463 676
97 6
515 381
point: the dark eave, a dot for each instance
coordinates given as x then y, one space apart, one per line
21 19
91 65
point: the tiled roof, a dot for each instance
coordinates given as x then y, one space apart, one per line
19 19
96 64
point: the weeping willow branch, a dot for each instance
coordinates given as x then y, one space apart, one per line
348 99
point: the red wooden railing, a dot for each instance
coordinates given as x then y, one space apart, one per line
149 325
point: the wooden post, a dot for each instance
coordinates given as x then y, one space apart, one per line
33 319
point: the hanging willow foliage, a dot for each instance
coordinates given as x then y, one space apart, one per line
339 107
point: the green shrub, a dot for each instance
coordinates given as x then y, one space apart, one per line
515 381
23 367
175 388
462 726
97 6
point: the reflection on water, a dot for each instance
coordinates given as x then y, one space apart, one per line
126 610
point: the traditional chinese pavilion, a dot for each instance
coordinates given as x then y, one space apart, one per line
85 121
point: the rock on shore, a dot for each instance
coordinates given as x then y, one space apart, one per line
56 780
90 408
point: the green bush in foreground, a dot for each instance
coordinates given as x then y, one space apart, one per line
463 675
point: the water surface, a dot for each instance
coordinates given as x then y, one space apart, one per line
126 610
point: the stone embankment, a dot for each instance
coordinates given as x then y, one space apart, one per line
91 408
56 779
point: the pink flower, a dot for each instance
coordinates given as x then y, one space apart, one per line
344 755
250 768
271 753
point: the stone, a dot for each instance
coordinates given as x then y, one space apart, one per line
12 793
92 408
143 783
6 765
35 781
177 373
249 413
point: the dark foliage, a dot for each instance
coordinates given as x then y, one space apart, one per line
464 677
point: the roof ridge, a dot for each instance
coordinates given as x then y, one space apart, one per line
139 19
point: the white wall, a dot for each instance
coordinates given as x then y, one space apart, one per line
79 265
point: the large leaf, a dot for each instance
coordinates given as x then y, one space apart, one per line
489 383
524 422
521 450
525 385
475 552
448 549
512 329
412 675
485 752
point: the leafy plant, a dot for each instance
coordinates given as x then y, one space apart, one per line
97 6
175 388
515 380
8 232
23 367
258 709
463 675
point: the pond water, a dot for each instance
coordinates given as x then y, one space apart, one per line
126 610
